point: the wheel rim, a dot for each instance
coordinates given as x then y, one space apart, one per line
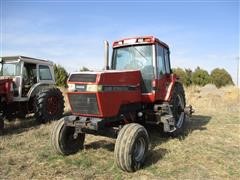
139 149
180 111
52 105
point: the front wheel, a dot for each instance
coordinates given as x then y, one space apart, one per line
131 147
63 140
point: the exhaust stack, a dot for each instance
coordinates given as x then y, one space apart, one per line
106 54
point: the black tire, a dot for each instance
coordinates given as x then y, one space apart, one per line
62 139
48 105
131 147
22 110
178 104
1 124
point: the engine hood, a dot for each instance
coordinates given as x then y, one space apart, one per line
120 77
107 77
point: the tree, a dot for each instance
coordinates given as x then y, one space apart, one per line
84 69
61 75
188 77
200 77
220 77
181 74
184 75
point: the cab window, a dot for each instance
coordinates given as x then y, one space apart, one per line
44 73
160 60
167 63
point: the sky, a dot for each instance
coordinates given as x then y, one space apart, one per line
71 33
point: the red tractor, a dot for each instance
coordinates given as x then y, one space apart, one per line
138 88
6 93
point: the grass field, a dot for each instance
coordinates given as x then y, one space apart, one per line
210 148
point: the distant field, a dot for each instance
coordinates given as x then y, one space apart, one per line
210 149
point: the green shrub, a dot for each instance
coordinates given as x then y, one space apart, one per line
84 69
184 75
200 77
61 75
220 77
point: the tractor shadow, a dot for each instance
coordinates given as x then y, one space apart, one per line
105 144
195 123
158 137
19 125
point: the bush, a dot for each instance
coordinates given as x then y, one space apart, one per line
61 75
184 75
188 77
220 77
84 69
200 77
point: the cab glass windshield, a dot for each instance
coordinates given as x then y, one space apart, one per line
132 57
10 69
139 57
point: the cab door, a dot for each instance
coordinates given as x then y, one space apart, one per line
163 72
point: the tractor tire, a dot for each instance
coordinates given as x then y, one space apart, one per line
131 147
1 124
48 105
178 104
63 141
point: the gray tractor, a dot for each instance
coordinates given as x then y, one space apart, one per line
27 85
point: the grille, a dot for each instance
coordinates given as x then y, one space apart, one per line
84 103
83 78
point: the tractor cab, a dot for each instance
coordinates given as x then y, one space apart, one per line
27 85
26 73
151 57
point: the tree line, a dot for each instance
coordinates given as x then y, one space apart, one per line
200 77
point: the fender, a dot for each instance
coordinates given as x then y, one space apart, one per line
174 80
38 87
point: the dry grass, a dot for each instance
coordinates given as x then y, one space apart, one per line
210 149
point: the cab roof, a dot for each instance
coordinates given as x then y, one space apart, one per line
26 59
138 40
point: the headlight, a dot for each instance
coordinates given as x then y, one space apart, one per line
94 87
71 87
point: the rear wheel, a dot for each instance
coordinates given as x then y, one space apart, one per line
63 140
1 124
49 105
131 147
177 106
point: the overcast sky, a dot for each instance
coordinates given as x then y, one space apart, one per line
71 33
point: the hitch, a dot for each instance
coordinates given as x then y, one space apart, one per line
166 116
188 110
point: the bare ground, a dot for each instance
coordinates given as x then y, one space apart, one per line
210 148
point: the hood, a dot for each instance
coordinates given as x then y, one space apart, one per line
107 77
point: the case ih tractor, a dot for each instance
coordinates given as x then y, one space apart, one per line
27 86
138 88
